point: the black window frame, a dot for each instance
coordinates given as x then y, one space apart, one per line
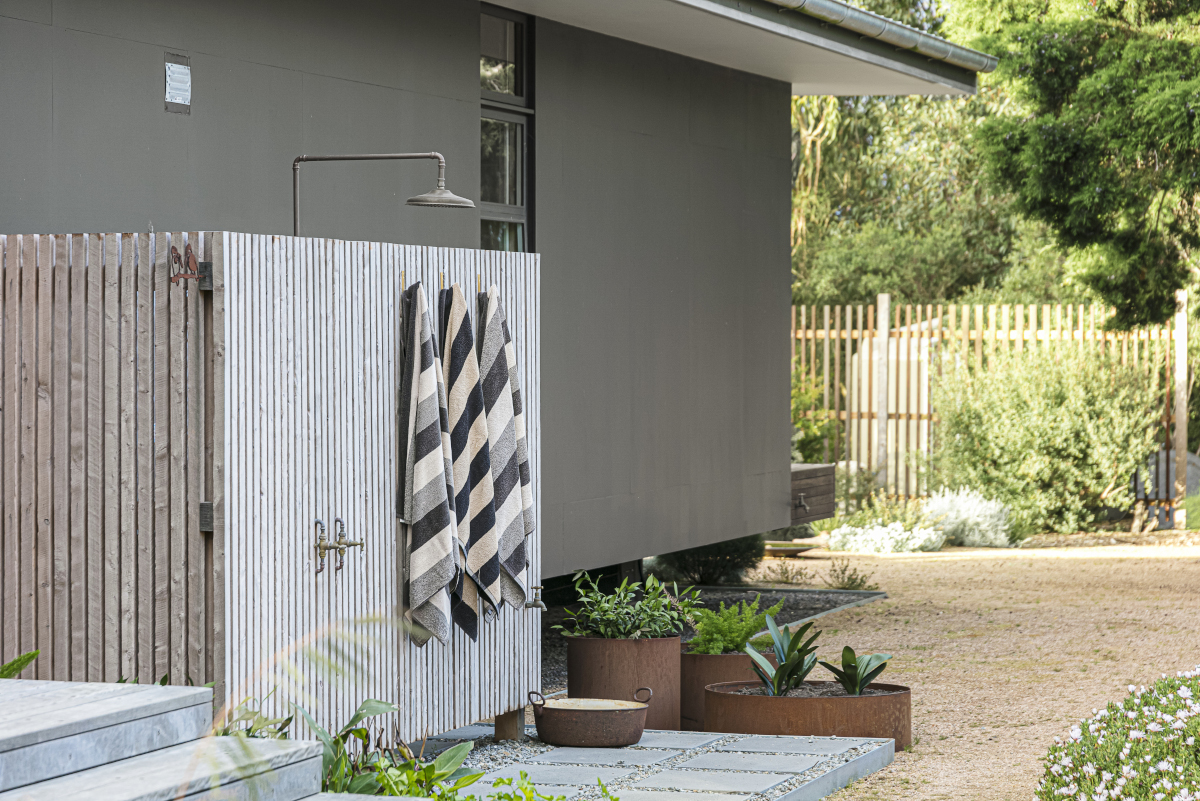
510 108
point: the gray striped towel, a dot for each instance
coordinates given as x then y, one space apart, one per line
426 494
509 452
472 472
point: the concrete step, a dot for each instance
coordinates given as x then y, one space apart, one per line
55 728
226 768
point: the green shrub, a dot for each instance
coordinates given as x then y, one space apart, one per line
809 431
727 630
622 614
1143 747
1053 433
719 563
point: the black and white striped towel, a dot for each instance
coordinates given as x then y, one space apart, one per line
472 472
426 494
509 452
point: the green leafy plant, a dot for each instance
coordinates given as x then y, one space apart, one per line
1053 433
811 424
857 672
795 655
727 630
842 576
718 563
782 571
247 720
442 778
343 769
10 670
631 611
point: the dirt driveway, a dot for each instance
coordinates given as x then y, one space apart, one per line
1005 649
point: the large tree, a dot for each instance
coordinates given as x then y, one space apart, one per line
1105 148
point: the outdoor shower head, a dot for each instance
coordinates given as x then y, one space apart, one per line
441 197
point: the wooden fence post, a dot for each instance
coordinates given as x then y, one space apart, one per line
1181 407
883 332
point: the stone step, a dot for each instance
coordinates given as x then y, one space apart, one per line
227 768
55 728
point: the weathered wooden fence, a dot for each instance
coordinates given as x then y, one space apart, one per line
106 412
875 365
167 444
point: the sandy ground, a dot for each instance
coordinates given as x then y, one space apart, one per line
1005 649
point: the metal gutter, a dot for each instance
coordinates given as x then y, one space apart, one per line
874 26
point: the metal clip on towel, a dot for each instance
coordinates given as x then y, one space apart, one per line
341 544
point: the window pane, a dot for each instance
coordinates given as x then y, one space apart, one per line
500 56
500 162
500 235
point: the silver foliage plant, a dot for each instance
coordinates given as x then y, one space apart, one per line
967 518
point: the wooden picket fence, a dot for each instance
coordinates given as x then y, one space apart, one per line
876 364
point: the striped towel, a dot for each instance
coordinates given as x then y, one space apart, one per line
426 494
509 452
472 471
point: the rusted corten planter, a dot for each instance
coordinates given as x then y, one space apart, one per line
598 667
845 716
697 671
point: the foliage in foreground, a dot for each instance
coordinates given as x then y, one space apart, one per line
630 612
1141 748
13 669
1054 433
718 563
795 656
727 630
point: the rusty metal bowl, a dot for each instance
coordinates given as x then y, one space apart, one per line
590 722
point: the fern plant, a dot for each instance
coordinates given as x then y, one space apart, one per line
796 657
857 671
727 630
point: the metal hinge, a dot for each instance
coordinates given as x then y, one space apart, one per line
206 517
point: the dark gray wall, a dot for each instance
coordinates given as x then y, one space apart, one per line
85 144
662 216
662 213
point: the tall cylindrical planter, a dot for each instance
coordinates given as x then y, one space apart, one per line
697 671
881 716
598 667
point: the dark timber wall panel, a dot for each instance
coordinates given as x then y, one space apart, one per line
88 145
662 219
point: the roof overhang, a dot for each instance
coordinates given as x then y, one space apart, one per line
816 57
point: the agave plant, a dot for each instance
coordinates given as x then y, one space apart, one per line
857 672
796 657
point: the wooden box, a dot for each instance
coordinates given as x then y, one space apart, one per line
812 492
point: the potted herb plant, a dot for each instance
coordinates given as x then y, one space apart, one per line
627 639
718 654
782 701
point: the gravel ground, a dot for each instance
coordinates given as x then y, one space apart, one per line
797 606
489 755
1006 649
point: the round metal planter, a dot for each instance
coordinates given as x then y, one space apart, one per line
884 716
598 667
590 722
697 671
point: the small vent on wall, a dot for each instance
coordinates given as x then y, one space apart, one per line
178 83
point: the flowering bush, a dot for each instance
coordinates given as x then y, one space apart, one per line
1142 748
968 518
892 538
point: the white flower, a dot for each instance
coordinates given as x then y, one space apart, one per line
1163 765
1075 733
1184 692
1154 727
1131 715
1089 769
1179 724
1134 734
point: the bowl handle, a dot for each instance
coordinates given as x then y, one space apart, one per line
649 695
538 704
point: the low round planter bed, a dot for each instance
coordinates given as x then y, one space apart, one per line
697 671
884 716
599 667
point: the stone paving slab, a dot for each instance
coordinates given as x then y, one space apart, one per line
473 732
605 756
712 780
863 765
682 740
796 745
571 775
766 763
670 795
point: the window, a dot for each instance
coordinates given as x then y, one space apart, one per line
505 131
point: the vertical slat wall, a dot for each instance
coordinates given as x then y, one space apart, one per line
312 382
93 527
840 352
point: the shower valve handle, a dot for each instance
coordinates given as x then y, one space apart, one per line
341 543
